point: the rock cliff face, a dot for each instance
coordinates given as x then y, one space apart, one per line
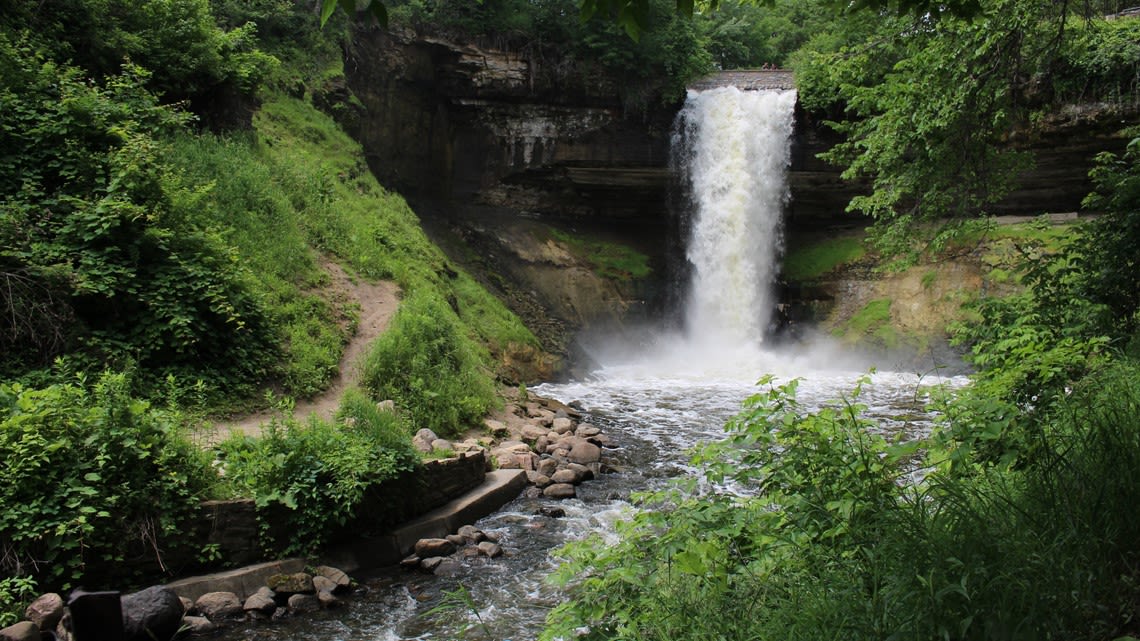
487 142
468 125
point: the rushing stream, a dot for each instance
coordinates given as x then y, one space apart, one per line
655 397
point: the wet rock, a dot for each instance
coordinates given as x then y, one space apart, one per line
286 584
410 562
22 631
493 537
329 601
559 491
434 547
538 480
153 613
604 441
456 540
552 511
63 630
447 567
532 492
585 452
584 472
261 601
471 533
304 603
45 611
490 550
323 584
343 581
547 466
566 476
217 606
198 625
431 563
586 430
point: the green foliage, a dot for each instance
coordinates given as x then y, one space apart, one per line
609 260
94 220
816 259
318 473
430 368
177 41
1100 62
1106 253
245 198
742 34
928 107
94 482
829 543
15 593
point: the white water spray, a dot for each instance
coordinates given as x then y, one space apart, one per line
732 149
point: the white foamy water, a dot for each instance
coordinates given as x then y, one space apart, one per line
732 150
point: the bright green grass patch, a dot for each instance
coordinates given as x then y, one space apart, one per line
245 198
428 366
817 259
437 361
873 322
609 260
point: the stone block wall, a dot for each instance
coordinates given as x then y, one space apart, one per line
231 535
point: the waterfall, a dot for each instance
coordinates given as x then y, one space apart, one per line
732 151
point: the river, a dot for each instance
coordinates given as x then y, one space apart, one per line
655 394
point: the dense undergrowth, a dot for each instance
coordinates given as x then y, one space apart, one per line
153 272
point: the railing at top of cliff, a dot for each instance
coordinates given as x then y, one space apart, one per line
747 80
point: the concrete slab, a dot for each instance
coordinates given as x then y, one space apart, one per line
498 488
242 581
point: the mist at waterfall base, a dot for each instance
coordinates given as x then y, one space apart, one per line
656 395
731 151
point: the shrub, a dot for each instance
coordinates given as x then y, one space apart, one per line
94 481
429 367
832 543
318 472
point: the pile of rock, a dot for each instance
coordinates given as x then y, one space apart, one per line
439 556
157 612
541 436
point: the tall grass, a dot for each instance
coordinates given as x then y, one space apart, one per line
298 187
426 364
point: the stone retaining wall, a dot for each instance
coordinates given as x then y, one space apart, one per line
230 530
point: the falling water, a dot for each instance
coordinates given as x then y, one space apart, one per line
656 398
732 150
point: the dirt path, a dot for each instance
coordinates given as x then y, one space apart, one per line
378 302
